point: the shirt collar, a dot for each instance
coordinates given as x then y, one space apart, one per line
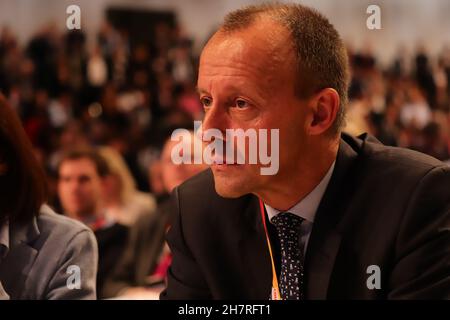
4 239
307 207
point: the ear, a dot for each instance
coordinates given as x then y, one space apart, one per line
324 107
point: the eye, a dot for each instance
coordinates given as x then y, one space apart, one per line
206 102
241 104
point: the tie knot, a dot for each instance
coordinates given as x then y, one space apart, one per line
286 220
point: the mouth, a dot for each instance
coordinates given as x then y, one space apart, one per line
223 167
219 159
220 162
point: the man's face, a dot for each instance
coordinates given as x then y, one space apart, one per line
79 187
247 80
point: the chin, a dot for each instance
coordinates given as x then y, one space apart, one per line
230 187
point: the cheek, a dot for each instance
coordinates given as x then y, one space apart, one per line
115 186
292 137
62 191
87 191
93 192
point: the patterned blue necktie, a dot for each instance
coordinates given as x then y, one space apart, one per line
291 276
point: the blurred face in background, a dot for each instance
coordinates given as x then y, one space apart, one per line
79 187
175 174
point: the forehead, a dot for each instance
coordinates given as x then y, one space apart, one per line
264 48
82 166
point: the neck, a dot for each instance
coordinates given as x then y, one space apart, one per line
299 181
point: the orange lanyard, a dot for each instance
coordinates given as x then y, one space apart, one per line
275 294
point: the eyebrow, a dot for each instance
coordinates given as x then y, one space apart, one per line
236 91
200 90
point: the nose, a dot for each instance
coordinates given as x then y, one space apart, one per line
215 118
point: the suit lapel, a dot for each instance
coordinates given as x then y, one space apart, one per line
15 269
254 255
325 237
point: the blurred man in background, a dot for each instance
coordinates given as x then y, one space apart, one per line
80 186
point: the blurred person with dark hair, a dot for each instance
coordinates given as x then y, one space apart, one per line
36 120
425 79
76 58
37 246
81 175
42 50
72 136
157 137
147 256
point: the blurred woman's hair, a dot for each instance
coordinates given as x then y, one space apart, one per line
119 168
23 188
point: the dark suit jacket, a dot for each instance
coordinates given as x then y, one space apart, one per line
112 241
140 258
384 206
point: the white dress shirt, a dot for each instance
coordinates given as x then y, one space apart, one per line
306 208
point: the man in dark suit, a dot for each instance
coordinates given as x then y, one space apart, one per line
343 218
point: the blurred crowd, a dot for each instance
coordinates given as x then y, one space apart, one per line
100 116
406 104
117 95
99 120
